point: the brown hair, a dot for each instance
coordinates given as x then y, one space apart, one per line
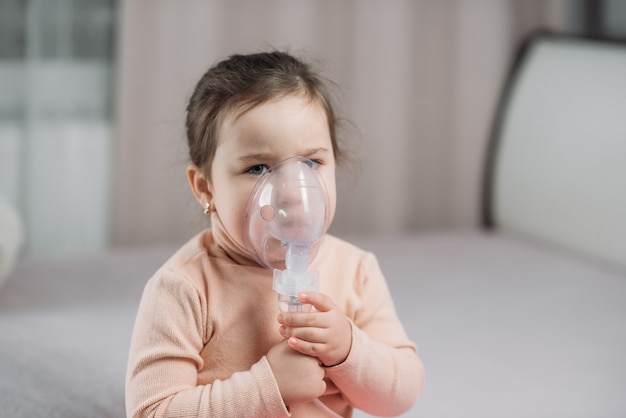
243 82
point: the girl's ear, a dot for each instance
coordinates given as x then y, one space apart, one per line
199 184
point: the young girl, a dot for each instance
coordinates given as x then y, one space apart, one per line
209 338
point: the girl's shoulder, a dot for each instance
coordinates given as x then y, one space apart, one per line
334 250
193 249
342 247
189 261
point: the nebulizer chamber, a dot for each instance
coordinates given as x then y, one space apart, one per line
284 222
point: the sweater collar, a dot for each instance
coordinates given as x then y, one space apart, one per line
228 246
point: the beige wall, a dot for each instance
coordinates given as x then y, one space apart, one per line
420 80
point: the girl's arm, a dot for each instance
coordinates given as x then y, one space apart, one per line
164 361
371 359
382 374
377 378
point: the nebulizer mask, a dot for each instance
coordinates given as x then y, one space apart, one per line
286 217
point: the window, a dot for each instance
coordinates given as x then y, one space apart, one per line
56 72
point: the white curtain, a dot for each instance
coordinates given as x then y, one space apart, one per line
420 80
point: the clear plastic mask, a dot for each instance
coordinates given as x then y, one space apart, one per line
287 215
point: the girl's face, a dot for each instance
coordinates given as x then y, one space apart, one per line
249 145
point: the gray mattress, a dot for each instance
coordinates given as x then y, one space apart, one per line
505 327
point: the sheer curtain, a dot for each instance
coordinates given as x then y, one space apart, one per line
419 79
55 128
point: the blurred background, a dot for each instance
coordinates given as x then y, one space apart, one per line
93 96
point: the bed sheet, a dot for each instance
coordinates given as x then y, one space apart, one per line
505 327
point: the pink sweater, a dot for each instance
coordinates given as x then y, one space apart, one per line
208 317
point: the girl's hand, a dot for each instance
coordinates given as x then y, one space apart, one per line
300 378
325 333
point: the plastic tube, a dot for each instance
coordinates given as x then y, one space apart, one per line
326 409
295 278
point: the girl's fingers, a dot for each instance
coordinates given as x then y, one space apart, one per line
321 351
304 320
304 347
311 335
320 301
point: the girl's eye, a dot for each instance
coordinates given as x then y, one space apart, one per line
314 164
257 170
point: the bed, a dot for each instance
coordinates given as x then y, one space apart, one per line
522 317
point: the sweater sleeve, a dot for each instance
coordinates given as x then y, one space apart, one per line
164 360
382 374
